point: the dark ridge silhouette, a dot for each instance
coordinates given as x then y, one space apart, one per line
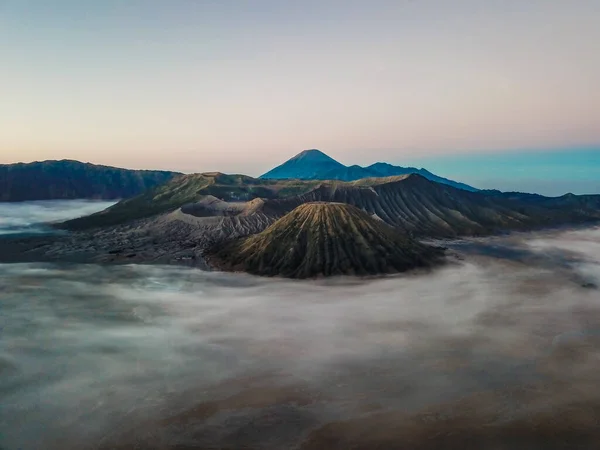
316 165
66 179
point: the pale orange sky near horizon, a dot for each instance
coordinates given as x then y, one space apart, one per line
242 86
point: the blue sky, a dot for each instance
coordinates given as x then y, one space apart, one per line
551 172
242 85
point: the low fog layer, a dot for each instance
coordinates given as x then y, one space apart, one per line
91 356
30 217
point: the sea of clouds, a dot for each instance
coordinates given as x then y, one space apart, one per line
90 351
33 217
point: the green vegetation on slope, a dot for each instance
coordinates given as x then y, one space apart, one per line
324 239
191 188
412 203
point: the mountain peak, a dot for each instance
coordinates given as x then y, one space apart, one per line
305 165
324 239
312 155
313 164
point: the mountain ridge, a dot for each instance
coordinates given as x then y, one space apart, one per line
314 164
412 203
179 220
70 179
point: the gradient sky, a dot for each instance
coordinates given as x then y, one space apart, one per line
240 86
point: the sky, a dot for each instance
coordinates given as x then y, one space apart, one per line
486 91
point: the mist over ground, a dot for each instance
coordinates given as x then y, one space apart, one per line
31 217
498 349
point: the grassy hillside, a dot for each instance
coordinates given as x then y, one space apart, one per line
412 203
191 188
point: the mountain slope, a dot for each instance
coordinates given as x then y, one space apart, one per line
324 239
191 189
65 179
350 173
309 164
415 205
428 209
181 219
387 170
316 165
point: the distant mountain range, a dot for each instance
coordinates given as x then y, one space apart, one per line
67 179
316 165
